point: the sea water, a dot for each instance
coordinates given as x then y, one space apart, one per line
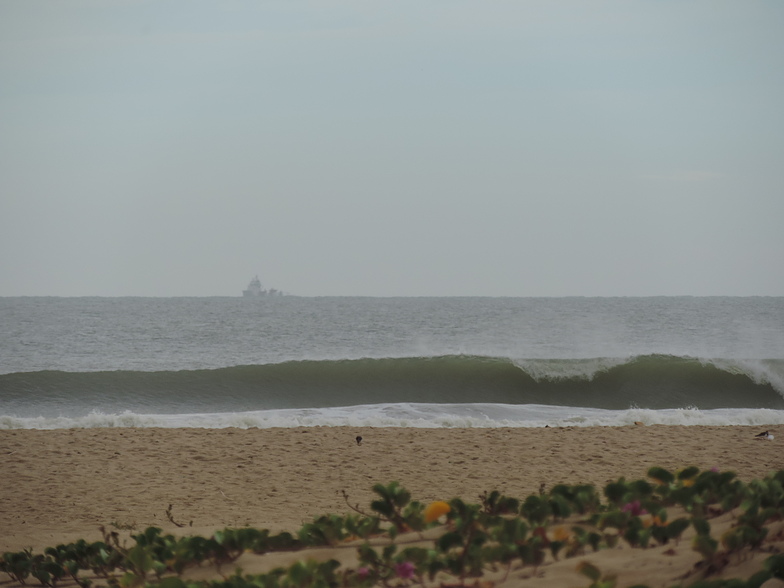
425 362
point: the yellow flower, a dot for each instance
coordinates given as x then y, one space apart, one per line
561 534
652 521
435 510
689 483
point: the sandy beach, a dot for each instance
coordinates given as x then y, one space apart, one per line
61 485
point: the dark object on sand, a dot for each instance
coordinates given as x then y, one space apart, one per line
359 440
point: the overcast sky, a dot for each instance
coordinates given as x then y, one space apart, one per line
395 148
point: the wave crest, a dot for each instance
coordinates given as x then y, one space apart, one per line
648 382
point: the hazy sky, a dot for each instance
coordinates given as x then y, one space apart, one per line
395 148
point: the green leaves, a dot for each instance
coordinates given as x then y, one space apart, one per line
393 506
312 573
589 570
325 530
688 473
705 545
775 566
499 531
673 530
662 476
20 566
536 509
495 503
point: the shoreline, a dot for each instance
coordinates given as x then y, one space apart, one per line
410 416
61 485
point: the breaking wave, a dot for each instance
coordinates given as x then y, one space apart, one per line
646 382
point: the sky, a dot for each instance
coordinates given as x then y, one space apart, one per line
392 148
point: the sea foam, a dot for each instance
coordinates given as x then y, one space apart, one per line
412 415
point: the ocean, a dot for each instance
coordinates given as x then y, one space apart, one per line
292 361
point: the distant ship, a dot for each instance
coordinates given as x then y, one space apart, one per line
255 290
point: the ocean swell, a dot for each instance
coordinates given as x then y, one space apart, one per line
647 382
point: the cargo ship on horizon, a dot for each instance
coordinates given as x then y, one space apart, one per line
255 290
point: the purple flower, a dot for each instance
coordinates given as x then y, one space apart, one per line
405 570
634 508
715 469
363 572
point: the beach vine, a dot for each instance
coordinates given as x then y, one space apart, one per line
452 543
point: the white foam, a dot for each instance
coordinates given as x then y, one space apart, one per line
759 371
567 369
412 415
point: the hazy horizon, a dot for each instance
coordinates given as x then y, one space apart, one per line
539 149
381 296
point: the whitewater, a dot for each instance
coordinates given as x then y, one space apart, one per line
418 362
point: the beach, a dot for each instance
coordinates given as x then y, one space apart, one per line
62 485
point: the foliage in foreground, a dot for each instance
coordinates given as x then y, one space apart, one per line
496 534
